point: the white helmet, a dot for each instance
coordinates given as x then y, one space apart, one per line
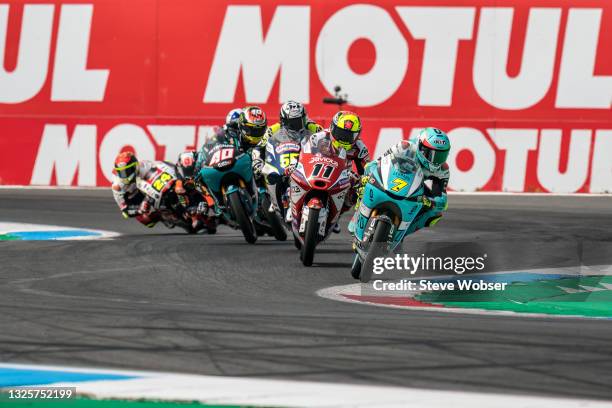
232 115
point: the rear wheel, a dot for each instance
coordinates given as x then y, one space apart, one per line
276 224
377 248
243 220
310 237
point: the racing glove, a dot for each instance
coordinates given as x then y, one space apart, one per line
257 166
363 180
289 170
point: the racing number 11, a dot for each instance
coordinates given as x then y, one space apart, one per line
316 171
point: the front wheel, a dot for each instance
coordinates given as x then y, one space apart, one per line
356 267
243 220
378 248
310 237
276 224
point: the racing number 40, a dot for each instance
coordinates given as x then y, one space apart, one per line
221 155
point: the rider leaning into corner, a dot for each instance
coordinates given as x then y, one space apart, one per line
198 205
130 200
344 133
430 150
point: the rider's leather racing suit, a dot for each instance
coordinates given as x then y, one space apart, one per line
259 152
358 155
130 200
435 196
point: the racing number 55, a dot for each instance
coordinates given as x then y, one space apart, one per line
288 159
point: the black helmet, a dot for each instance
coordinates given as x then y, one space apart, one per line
293 116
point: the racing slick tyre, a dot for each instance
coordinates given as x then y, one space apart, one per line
245 223
377 249
356 267
310 237
276 224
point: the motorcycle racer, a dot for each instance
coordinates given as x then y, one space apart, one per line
197 204
130 200
294 124
344 133
246 133
231 120
430 149
293 118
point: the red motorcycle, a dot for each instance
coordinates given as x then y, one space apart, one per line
319 185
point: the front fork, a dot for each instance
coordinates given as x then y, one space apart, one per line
362 246
314 203
250 203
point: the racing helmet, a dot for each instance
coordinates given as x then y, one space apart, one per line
433 146
125 167
252 124
293 116
232 115
345 129
186 164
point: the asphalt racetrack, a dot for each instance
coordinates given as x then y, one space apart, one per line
211 304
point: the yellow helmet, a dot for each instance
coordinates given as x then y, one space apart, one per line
345 129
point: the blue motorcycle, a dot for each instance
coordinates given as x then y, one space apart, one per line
227 173
392 198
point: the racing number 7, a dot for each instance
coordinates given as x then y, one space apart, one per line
399 185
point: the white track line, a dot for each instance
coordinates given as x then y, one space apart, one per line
9 227
269 392
336 292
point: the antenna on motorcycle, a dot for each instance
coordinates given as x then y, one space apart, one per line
338 98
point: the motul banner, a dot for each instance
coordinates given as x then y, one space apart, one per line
524 88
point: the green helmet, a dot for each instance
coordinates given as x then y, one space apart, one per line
433 147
